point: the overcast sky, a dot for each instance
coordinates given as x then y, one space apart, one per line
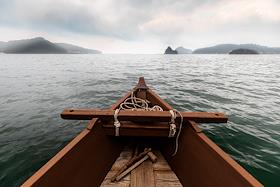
142 26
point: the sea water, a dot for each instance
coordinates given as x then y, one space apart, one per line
34 89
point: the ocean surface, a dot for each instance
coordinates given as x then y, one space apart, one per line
34 89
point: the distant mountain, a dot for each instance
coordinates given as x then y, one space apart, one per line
40 45
169 50
35 45
226 48
182 50
243 52
76 49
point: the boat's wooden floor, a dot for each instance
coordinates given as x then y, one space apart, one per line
148 174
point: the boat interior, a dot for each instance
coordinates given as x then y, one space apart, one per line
97 154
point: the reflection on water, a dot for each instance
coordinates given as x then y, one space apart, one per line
34 89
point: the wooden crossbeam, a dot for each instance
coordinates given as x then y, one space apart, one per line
127 115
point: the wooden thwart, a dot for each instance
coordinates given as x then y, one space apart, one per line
159 116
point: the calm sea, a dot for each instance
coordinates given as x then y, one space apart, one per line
34 89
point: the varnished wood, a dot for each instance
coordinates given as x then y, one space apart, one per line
141 84
128 115
195 127
159 129
199 158
137 132
86 160
76 161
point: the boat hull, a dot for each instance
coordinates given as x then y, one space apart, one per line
86 160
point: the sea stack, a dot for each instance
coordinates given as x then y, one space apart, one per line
169 50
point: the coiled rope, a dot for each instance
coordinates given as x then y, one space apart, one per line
135 103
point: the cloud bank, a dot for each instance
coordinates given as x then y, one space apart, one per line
143 26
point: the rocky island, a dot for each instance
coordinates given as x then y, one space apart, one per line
40 45
243 52
178 50
169 50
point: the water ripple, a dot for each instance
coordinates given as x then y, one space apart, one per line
36 88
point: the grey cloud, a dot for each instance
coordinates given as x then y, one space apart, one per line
58 16
64 16
133 19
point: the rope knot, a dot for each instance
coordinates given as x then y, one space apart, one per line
172 127
172 130
117 124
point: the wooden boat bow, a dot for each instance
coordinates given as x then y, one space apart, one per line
87 159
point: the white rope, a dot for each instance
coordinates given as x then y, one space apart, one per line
178 134
172 125
135 103
117 124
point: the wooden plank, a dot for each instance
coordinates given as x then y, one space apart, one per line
137 132
163 174
134 125
134 166
166 179
125 155
127 115
159 129
161 164
143 175
125 182
147 174
130 163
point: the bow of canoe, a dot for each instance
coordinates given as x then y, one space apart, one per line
87 159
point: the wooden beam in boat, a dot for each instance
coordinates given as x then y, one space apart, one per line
160 116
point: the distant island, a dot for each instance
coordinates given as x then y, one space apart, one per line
178 50
182 50
243 51
40 45
169 50
226 49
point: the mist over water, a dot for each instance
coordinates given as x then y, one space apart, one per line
34 89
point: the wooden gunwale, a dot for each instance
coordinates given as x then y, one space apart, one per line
32 181
187 170
239 172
